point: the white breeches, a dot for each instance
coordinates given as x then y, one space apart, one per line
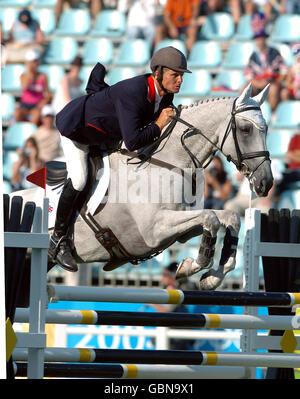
76 156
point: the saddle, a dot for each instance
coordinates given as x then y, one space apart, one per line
93 200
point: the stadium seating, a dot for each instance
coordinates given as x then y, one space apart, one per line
97 50
228 84
278 142
266 111
73 23
6 187
117 74
286 29
15 3
133 53
109 23
196 84
61 51
84 75
182 101
43 3
244 30
54 74
46 19
238 55
179 44
11 77
217 26
205 54
285 51
287 115
7 18
8 104
9 157
17 134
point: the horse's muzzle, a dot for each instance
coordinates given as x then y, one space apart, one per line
263 186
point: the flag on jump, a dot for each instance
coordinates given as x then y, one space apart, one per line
38 178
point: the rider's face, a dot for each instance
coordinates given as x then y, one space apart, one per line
172 80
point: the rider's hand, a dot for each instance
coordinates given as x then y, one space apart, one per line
165 117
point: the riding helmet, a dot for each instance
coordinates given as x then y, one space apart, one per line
171 58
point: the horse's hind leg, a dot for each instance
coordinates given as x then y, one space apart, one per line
213 278
205 257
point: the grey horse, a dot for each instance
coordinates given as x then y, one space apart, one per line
145 221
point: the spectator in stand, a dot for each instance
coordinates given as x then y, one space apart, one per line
253 6
70 87
217 186
180 18
140 19
265 65
292 174
28 162
25 34
35 91
93 5
289 7
291 91
47 136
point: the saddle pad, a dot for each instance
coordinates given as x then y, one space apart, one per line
99 189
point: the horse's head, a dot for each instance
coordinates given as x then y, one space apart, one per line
248 139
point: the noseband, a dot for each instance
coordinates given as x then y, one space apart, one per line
239 162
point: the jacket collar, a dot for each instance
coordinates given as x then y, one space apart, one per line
151 89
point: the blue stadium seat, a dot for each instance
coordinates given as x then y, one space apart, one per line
205 54
97 50
228 84
133 53
285 51
15 3
46 19
6 187
244 29
43 3
115 75
217 26
109 23
179 44
238 55
286 29
8 104
266 111
84 75
289 199
73 23
278 142
7 18
287 115
54 74
196 84
61 51
17 134
183 100
9 157
11 77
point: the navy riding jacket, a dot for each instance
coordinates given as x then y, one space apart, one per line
123 111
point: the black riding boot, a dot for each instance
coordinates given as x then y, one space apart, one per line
61 243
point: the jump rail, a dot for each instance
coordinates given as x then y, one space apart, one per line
173 296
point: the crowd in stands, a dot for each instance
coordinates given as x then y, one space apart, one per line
154 21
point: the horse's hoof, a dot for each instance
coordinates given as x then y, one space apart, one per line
210 280
188 267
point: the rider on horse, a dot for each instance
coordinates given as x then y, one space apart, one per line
134 110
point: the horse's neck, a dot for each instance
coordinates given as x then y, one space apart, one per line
210 117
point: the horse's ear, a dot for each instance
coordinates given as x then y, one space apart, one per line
260 97
245 94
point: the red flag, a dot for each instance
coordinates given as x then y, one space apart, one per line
38 177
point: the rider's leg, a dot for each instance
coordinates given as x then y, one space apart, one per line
61 243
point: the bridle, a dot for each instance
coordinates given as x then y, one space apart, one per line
146 154
231 127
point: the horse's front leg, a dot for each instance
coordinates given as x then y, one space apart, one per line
205 259
213 278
